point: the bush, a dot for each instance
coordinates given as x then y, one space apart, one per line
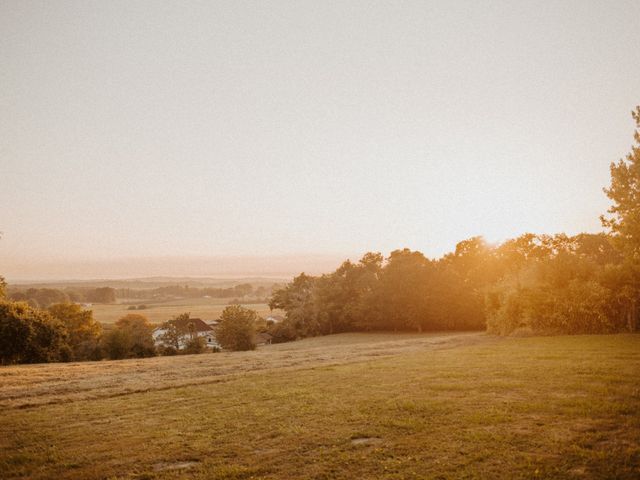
580 307
282 332
195 345
167 350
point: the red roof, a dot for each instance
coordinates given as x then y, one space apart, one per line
198 324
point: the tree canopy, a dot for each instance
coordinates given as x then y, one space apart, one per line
237 328
624 215
29 335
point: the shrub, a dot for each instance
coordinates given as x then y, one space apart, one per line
282 332
195 345
167 350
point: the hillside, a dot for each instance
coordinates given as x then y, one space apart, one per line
344 406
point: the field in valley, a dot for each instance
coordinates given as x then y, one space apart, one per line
159 312
463 405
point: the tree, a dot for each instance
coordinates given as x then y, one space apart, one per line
624 216
404 283
138 332
82 330
28 335
296 299
624 191
236 330
178 331
117 344
44 297
102 295
3 287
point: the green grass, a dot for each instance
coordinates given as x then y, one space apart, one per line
470 407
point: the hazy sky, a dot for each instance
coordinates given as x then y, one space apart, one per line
142 129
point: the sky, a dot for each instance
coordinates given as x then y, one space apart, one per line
286 136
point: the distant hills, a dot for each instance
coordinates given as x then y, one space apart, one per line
196 270
155 282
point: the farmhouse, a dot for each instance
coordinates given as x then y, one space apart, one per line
189 328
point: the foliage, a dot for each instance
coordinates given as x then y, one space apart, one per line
177 331
624 191
552 284
296 299
28 335
83 332
561 285
116 344
624 223
102 295
40 297
282 332
236 329
130 338
166 350
195 345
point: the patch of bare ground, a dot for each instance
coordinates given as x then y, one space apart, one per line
366 441
163 466
27 386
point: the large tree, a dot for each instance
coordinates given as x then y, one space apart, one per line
83 330
296 299
237 328
405 287
29 335
624 191
624 222
139 332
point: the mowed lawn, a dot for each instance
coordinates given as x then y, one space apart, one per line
346 406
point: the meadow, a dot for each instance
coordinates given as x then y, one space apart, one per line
159 312
393 406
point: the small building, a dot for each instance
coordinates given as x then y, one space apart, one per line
263 338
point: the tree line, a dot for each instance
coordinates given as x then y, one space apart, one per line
66 332
45 297
587 283
185 291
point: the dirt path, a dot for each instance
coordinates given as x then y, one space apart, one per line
33 385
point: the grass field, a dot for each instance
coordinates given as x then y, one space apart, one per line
345 406
205 308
